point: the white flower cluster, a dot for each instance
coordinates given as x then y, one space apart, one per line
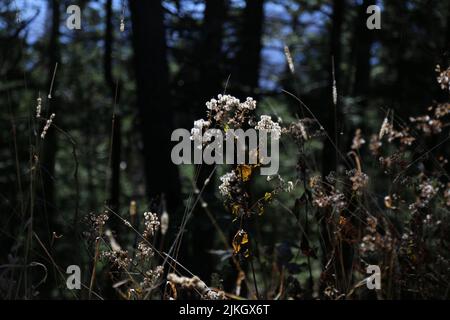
223 102
249 104
144 251
196 284
151 223
226 179
266 123
118 258
197 130
151 277
359 180
444 78
198 135
227 103
427 191
47 126
358 140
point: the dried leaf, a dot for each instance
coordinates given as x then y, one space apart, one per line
246 171
235 208
240 239
342 221
389 203
171 291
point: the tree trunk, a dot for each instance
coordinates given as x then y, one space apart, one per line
249 56
50 142
245 84
211 79
114 198
44 221
115 152
331 118
333 71
361 50
154 102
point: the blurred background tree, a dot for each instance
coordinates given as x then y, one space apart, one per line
118 94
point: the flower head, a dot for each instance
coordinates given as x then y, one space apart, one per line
267 124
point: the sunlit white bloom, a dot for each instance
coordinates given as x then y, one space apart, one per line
226 179
266 123
228 103
249 104
151 223
197 130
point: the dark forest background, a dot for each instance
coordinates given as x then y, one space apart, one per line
118 94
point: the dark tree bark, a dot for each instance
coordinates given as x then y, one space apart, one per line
114 199
50 145
116 142
43 222
153 101
211 79
396 44
211 75
109 38
248 59
334 74
362 45
360 83
447 38
245 81
332 117
361 54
